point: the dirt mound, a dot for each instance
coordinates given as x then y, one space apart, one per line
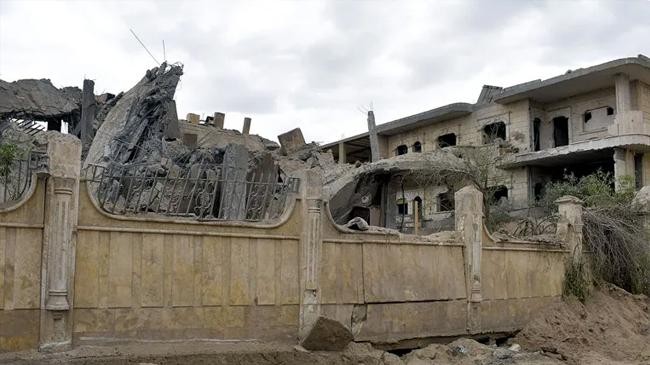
612 327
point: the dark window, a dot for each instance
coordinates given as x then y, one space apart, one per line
499 192
402 149
536 134
494 131
402 208
610 110
447 140
539 191
561 131
587 116
417 147
445 202
638 170
54 125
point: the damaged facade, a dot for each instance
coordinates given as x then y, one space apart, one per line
536 132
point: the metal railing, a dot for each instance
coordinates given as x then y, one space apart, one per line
200 191
17 177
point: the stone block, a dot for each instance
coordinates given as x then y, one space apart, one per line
193 118
291 141
327 335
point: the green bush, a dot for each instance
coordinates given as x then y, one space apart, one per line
577 282
8 154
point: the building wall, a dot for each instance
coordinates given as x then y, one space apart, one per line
21 240
574 109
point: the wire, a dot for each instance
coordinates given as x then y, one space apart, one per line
143 46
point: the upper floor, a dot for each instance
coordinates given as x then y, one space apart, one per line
602 106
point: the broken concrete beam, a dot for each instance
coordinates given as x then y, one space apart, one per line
193 118
219 119
247 126
233 192
327 335
172 129
291 141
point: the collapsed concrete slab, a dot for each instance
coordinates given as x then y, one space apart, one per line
140 120
38 99
327 335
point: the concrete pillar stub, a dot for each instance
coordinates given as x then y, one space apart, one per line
374 140
569 226
311 244
59 239
219 119
246 129
469 224
342 155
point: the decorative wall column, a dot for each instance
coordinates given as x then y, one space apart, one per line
569 226
311 242
469 224
59 238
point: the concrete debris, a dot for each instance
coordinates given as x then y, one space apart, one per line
327 335
357 224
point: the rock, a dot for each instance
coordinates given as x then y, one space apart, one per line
515 347
328 335
299 348
502 354
642 199
391 359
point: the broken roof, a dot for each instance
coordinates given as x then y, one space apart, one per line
37 99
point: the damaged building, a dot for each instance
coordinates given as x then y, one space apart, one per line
589 119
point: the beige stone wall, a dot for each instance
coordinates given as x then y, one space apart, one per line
21 240
146 279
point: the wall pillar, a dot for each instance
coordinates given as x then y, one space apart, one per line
311 242
59 239
219 119
623 165
246 129
623 93
469 224
569 226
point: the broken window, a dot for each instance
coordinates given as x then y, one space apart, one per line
598 118
587 116
447 140
610 110
537 124
417 147
402 149
638 170
494 131
499 192
402 207
446 202
561 131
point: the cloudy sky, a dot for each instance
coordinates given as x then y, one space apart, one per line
317 64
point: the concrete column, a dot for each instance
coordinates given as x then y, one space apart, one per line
219 119
59 238
311 242
247 126
569 226
342 156
374 141
469 224
232 205
623 93
88 108
623 165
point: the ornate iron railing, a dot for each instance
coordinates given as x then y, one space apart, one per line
16 178
200 191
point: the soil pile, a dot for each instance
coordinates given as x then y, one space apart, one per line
611 327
